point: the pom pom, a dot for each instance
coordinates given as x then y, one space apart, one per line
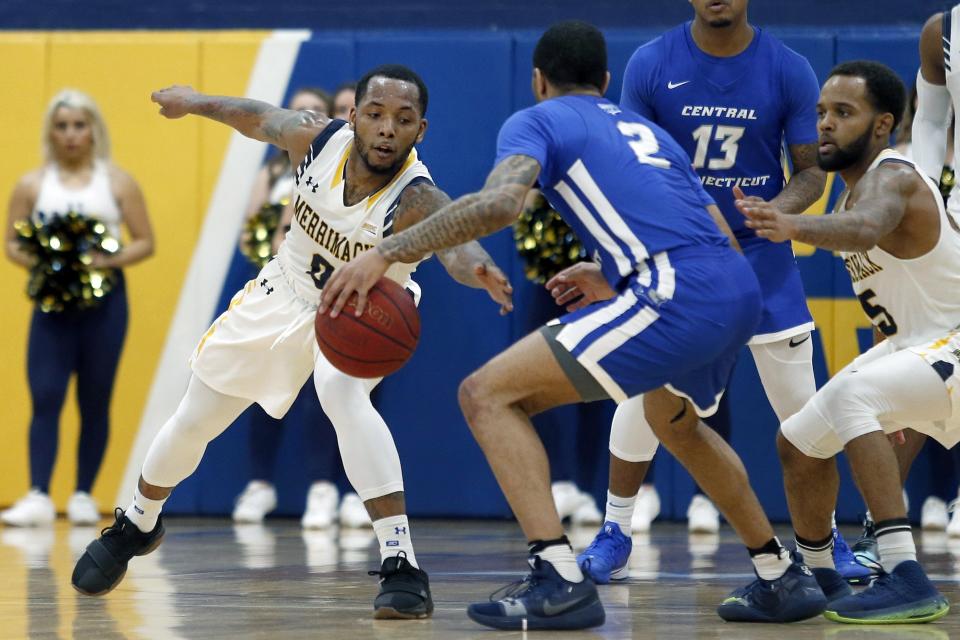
545 242
62 249
256 240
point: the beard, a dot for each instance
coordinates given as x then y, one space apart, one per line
847 156
720 23
364 152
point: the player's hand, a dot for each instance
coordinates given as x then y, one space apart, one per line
356 277
579 286
496 284
763 217
174 101
897 438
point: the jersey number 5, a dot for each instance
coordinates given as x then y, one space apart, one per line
886 323
645 146
730 137
320 271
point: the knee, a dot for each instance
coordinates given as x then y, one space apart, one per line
339 395
790 456
675 427
471 396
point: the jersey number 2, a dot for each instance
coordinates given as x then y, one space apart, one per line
644 143
320 271
886 323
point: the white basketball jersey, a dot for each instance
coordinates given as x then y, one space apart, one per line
913 300
94 200
325 233
951 54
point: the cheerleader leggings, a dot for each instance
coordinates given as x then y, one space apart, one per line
87 343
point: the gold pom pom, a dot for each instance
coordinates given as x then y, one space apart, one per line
545 242
256 239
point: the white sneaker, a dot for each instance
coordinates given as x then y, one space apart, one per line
702 516
566 497
587 512
933 515
256 501
353 514
645 509
953 528
81 509
33 510
321 509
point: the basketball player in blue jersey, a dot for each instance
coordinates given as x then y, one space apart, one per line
679 303
730 94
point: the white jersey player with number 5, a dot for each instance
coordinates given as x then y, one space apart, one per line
902 251
355 184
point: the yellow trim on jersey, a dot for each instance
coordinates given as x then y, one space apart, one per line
237 299
411 158
338 174
372 199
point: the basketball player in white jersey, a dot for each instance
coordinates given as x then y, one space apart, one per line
356 183
903 254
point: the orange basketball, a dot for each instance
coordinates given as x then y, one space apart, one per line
377 343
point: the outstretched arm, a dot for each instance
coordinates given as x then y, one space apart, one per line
285 128
807 182
468 263
473 216
932 120
881 202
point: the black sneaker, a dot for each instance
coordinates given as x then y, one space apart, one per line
542 600
104 563
404 590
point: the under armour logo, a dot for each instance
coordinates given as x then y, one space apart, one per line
399 531
311 182
263 283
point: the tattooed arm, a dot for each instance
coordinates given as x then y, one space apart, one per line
287 129
473 216
881 198
468 263
470 217
807 182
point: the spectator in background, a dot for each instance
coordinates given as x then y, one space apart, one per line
77 177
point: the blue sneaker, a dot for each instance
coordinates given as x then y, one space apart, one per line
607 556
793 596
905 595
846 562
542 600
833 585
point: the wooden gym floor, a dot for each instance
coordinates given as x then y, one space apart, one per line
211 579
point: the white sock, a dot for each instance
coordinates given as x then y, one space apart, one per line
144 512
393 533
895 541
817 556
620 510
771 566
562 558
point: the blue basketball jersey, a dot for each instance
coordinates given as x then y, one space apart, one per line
621 183
731 115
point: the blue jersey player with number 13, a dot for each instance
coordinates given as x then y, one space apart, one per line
675 304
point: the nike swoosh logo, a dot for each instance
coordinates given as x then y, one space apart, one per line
797 344
550 609
674 85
